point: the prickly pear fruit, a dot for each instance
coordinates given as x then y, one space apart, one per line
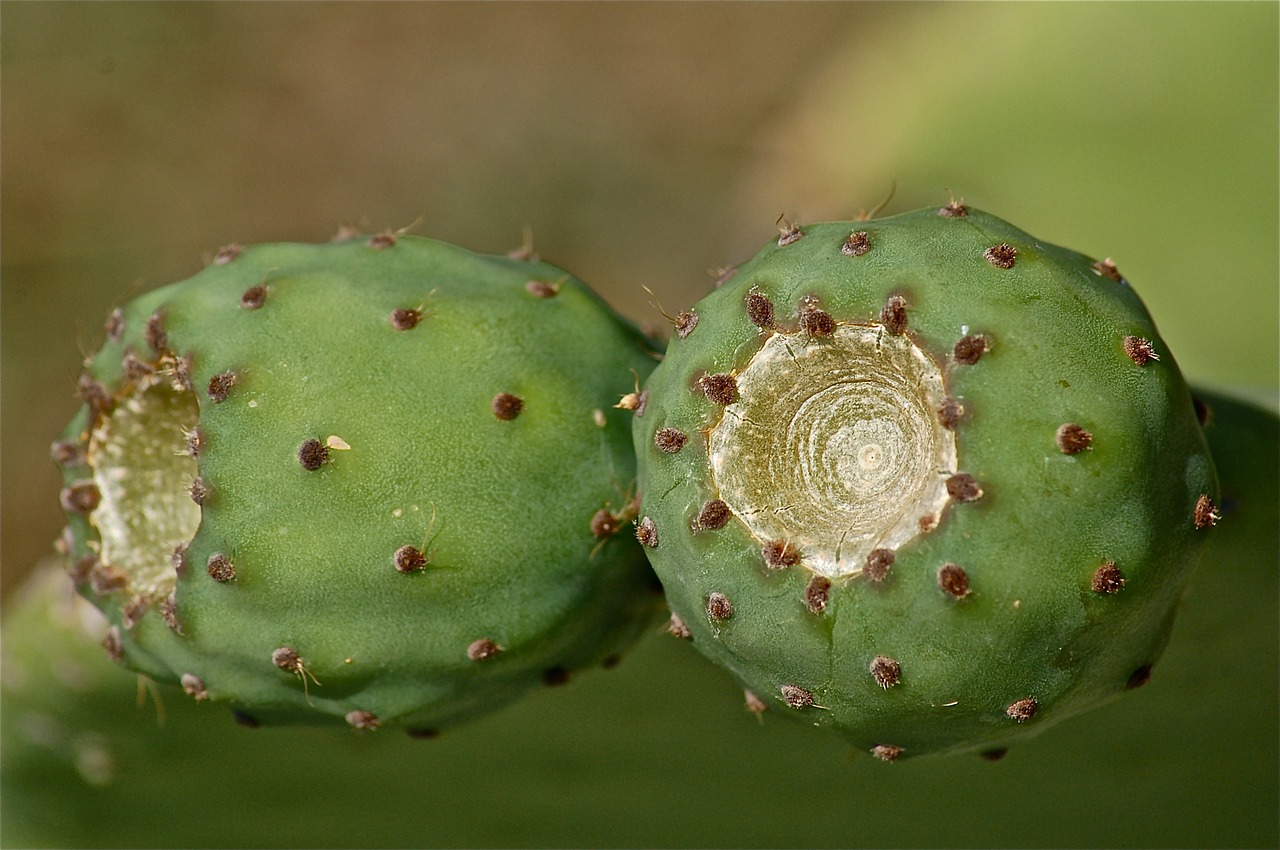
372 480
925 480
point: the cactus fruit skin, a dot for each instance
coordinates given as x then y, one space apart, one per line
358 482
924 479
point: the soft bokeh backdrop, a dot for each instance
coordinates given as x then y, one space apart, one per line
643 144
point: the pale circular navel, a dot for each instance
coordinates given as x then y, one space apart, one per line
834 445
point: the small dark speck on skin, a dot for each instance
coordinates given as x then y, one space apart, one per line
220 386
953 580
950 414
670 440
676 627
1107 579
816 322
113 644
817 593
994 754
1107 268
405 318
605 523
886 752
1023 710
796 696
779 554
115 325
963 487
1206 513
313 454
81 497
542 289
719 608
383 240
1073 439
156 335
482 649
254 297
760 311
1002 256
409 559
194 687
969 349
878 564
1140 350
220 567
713 515
885 671
66 453
721 389
226 254
857 244
894 315
789 233
647 533
364 720
507 406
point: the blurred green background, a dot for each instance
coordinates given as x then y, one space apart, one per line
643 144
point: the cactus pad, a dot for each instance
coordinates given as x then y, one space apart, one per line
924 479
360 482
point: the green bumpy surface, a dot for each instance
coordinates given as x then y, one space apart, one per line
360 481
763 498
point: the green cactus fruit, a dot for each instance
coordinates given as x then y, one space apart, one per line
373 480
925 480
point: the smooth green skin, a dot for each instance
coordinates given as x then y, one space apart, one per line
1032 627
1187 761
506 506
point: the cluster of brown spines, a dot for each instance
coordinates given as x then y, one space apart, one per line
313 455
952 580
